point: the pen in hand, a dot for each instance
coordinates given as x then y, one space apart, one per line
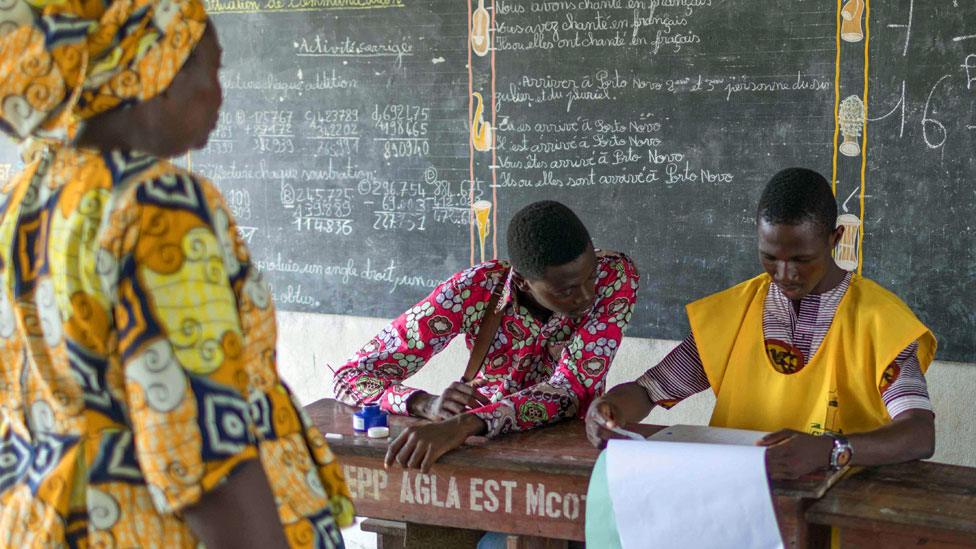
618 430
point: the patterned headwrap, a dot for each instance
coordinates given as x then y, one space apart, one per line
65 61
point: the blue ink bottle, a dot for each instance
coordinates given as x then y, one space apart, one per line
368 416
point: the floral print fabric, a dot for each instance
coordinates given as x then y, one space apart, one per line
137 362
535 372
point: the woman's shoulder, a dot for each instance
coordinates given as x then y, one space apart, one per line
140 179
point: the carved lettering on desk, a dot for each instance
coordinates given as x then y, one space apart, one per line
482 495
552 504
365 482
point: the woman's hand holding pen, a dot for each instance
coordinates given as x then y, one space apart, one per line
456 399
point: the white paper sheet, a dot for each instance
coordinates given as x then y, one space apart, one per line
710 435
694 495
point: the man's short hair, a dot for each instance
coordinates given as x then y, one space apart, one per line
795 195
544 234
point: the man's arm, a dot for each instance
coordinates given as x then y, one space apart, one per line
419 446
679 375
374 376
909 436
376 372
626 403
455 399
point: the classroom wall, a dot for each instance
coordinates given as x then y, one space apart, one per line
307 342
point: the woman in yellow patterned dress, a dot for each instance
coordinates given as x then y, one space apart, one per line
139 400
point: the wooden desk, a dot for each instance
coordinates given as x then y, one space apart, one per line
530 484
908 505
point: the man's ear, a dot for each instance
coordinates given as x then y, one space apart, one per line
836 235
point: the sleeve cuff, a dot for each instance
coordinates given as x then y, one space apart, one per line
394 400
655 392
906 403
499 418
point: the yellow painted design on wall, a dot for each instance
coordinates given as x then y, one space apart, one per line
480 129
853 26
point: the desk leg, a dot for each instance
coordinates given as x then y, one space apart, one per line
389 541
424 536
797 532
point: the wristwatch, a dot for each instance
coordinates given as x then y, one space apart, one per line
842 452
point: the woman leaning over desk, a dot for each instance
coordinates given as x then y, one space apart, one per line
139 399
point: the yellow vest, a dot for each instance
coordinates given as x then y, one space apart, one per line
836 390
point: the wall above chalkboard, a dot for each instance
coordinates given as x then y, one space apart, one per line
357 135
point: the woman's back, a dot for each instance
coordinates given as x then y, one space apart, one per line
137 359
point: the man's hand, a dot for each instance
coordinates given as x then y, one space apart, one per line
419 446
600 418
792 454
456 399
621 405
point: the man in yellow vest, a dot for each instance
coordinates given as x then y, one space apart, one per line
802 350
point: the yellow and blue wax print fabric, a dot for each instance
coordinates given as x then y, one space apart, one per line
137 362
65 61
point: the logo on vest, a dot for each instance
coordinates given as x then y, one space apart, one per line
786 359
889 376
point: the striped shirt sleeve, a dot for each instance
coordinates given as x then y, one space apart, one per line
681 374
677 377
907 390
